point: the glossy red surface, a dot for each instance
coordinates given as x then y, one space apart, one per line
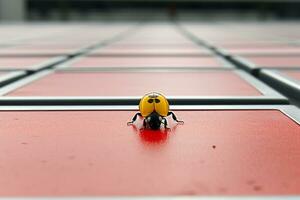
158 38
140 61
293 74
154 35
155 42
205 83
255 45
268 51
34 51
160 51
22 62
151 50
275 61
94 153
151 46
53 45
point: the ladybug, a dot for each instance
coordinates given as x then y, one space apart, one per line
154 107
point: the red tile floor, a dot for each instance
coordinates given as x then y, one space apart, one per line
80 147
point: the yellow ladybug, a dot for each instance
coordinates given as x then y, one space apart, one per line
154 107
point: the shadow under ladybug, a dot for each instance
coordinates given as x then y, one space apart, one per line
154 107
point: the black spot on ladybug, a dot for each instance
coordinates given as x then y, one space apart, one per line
150 101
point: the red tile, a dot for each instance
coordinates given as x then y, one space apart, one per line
260 45
155 42
54 45
151 51
116 45
171 61
94 153
275 61
269 51
205 83
293 74
35 51
22 62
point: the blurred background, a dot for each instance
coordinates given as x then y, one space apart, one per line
124 10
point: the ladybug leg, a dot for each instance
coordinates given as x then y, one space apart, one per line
175 118
134 118
165 122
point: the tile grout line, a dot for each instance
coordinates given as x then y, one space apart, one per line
81 52
214 49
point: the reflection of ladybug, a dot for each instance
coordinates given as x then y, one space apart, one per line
154 107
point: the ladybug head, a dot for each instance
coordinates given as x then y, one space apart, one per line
154 121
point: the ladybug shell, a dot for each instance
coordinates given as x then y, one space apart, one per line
154 102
